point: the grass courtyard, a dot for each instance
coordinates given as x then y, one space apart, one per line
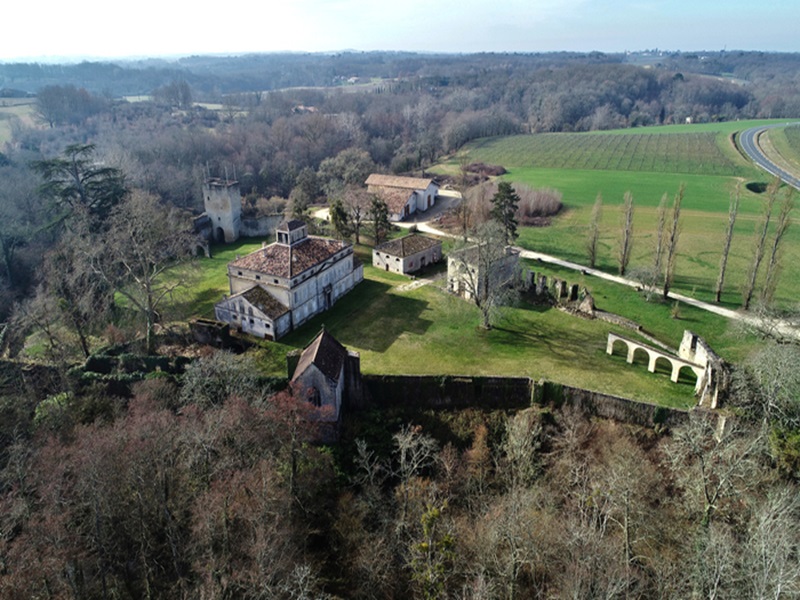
428 331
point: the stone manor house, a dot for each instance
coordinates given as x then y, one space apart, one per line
281 286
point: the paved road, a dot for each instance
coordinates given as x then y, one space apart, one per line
750 145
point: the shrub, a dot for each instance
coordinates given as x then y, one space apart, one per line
536 205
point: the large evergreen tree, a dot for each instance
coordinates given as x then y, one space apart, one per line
504 210
76 181
379 214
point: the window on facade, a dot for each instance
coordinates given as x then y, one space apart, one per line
314 397
238 272
258 276
251 321
275 281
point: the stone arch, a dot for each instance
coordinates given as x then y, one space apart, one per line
632 353
679 367
660 359
612 341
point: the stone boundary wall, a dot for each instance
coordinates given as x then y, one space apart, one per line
262 226
596 404
455 392
18 377
448 391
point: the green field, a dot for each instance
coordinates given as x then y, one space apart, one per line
786 143
428 331
691 153
10 110
648 163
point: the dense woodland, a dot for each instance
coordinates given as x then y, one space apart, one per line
209 484
275 142
211 489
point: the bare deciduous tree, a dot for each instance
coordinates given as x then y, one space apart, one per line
661 225
144 241
357 202
759 246
486 270
771 568
715 461
594 230
773 265
626 239
733 210
672 241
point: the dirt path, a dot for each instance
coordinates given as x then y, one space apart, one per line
782 328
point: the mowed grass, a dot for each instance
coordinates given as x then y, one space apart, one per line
705 206
429 331
691 153
786 142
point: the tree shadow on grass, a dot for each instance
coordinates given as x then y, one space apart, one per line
367 318
565 344
198 304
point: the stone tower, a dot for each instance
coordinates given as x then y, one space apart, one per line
223 204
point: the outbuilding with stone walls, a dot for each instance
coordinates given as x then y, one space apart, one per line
407 254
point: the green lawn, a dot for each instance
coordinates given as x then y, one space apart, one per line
648 163
786 141
428 331
11 109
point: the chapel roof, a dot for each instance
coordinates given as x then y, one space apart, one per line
326 353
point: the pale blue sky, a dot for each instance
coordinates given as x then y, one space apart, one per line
99 28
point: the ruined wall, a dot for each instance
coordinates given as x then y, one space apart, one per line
716 381
263 226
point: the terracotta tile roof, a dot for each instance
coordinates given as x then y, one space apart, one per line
275 258
395 199
408 245
324 352
394 181
264 301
